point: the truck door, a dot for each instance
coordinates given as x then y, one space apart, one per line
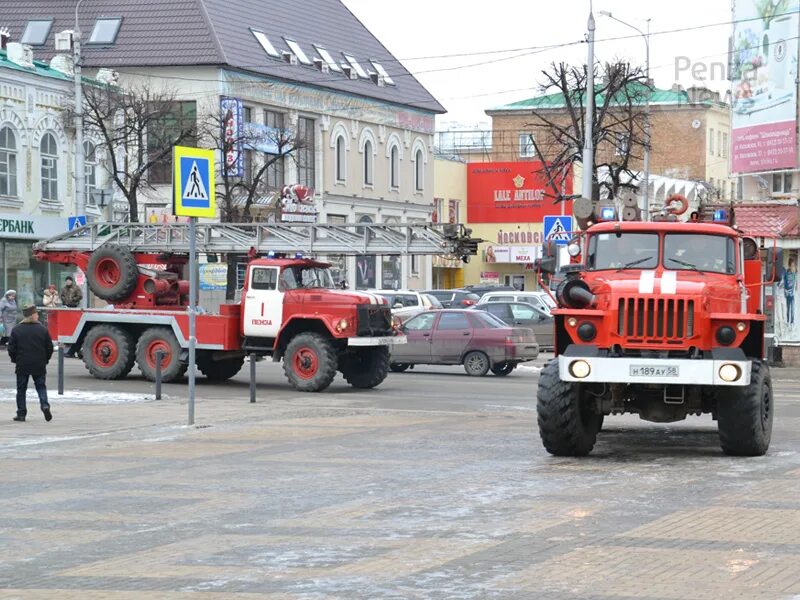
263 303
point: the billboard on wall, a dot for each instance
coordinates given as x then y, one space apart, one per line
763 75
512 192
232 132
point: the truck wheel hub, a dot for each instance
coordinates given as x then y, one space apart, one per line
305 363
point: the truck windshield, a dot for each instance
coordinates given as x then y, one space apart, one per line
697 252
626 251
294 278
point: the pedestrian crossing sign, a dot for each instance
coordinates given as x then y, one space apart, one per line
193 182
558 228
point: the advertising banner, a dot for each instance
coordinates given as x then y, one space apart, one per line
763 75
512 192
213 276
511 254
232 134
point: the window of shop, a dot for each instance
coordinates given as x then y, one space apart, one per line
163 132
274 174
89 172
49 156
419 171
781 183
394 168
526 147
341 165
29 277
8 162
306 173
368 162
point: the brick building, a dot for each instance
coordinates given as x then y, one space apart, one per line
690 132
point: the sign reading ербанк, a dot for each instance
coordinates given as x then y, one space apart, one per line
193 182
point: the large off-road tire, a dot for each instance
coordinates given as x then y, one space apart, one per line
112 272
504 368
567 424
745 414
476 364
108 352
219 370
365 368
399 367
310 362
150 342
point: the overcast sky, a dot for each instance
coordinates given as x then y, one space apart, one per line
415 29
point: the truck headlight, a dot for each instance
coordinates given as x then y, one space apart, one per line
729 372
342 325
579 369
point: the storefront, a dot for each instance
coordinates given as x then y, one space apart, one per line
506 206
21 272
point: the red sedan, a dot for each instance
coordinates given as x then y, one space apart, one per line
478 340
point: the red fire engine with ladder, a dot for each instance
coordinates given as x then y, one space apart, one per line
290 308
662 319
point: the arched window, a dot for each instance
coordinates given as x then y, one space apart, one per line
341 157
419 171
48 150
8 162
368 162
89 171
394 167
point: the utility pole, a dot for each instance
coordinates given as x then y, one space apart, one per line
80 198
588 132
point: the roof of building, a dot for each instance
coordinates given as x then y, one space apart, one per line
39 68
638 93
761 219
220 32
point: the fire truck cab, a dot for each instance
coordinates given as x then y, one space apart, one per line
663 320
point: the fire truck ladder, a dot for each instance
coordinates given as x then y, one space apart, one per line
240 238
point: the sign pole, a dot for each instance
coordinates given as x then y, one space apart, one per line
192 312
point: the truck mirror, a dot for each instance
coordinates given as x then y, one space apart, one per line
343 284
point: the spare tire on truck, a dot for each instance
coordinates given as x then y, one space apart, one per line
112 272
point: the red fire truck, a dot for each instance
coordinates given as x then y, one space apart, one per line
290 308
663 320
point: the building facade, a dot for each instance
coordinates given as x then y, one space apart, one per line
37 168
365 125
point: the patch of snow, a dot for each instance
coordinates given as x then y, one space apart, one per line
82 397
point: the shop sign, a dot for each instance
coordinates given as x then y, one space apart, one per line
214 276
511 254
33 227
490 277
513 192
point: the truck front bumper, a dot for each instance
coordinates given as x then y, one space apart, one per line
669 371
384 340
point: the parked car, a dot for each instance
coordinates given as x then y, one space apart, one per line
407 303
471 338
454 298
480 290
523 314
541 300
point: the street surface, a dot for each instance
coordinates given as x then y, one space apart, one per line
433 486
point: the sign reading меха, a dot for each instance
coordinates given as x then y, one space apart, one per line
512 192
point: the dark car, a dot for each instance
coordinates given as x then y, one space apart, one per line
454 298
523 314
471 338
480 290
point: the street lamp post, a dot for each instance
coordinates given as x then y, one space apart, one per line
646 37
80 199
588 131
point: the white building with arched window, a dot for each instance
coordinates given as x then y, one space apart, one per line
37 170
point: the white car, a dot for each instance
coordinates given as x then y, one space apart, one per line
540 300
407 303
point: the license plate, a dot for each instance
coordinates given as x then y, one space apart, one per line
655 371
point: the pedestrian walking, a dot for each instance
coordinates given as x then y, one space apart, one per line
51 298
71 294
8 315
30 349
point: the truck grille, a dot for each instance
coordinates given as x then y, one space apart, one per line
374 320
655 319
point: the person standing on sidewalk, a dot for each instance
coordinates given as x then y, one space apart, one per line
8 315
30 348
71 294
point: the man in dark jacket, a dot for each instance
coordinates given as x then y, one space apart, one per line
30 348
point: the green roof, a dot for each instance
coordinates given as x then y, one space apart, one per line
39 68
556 100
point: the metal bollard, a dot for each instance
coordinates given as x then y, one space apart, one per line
159 360
60 369
252 378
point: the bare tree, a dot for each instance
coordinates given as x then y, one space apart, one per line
138 127
257 191
618 130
